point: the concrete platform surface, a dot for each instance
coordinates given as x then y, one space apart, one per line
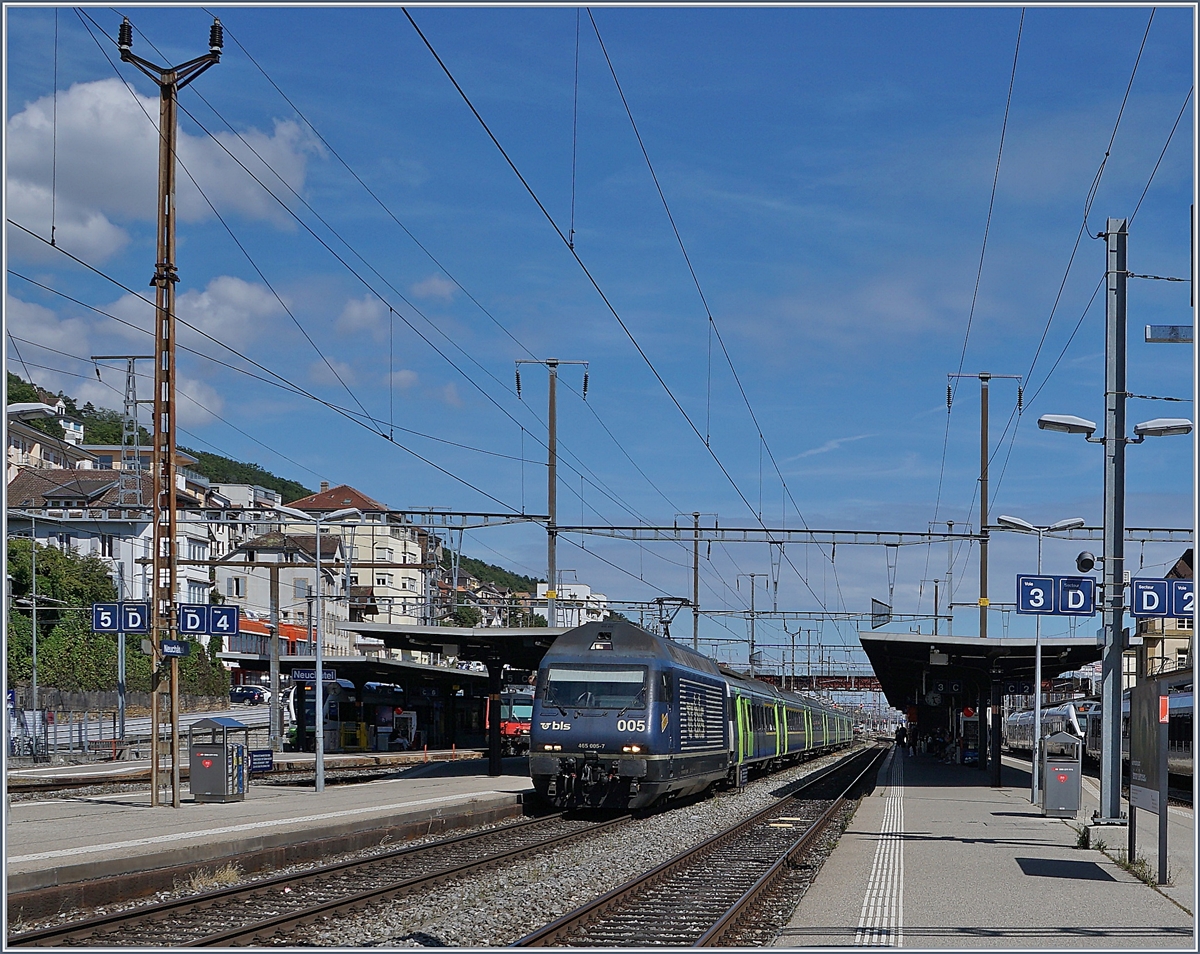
62 840
937 858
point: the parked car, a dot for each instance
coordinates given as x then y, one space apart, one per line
249 695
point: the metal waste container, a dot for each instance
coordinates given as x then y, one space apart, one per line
217 768
1062 775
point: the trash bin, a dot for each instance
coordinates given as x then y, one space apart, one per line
1062 775
217 768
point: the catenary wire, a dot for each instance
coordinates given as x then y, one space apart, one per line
591 279
595 479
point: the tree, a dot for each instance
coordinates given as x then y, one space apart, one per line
21 391
74 658
64 579
19 648
468 616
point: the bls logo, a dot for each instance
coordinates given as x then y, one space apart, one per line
561 726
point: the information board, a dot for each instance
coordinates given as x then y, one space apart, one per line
1147 747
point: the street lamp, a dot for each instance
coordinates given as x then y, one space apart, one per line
1114 442
319 703
1016 523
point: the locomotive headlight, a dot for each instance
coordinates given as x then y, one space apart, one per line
631 748
551 748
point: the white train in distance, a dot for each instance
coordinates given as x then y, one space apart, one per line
1082 720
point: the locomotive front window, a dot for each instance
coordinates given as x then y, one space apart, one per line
596 688
520 711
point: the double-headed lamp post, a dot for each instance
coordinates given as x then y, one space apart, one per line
1016 523
319 702
1114 442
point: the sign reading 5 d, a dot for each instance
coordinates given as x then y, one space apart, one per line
121 617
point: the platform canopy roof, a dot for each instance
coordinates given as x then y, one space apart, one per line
521 648
910 664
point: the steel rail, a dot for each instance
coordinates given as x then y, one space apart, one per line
86 930
284 922
728 924
557 932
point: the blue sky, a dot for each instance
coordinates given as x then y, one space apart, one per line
829 171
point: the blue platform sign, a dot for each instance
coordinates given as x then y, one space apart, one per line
1076 596
262 760
135 617
1150 598
223 620
1035 595
106 617
1183 600
1056 595
193 619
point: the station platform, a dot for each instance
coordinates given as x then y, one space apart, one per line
82 851
937 858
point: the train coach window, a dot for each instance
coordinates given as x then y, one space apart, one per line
664 687
596 688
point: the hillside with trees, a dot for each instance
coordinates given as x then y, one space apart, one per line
490 573
104 426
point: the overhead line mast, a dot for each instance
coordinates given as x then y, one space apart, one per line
170 80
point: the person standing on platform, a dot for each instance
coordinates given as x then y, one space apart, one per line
901 736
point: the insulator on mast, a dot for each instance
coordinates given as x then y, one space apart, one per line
125 35
518 384
216 36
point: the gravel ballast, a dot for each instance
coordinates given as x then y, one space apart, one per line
503 905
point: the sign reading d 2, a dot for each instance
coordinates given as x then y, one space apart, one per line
193 619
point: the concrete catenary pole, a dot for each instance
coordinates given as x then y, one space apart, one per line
1117 239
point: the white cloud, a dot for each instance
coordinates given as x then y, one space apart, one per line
231 310
450 395
436 287
107 167
364 314
403 378
829 446
197 403
42 325
320 373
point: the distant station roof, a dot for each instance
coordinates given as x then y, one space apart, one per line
358 669
521 648
909 664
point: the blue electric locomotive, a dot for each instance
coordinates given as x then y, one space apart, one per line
624 718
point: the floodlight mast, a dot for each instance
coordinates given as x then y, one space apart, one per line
317 517
1016 523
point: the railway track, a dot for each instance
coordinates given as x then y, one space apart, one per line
265 911
707 895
